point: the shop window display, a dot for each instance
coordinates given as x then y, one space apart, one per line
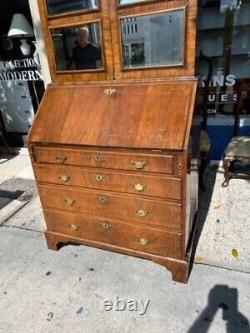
224 37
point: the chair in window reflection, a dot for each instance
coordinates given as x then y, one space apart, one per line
238 148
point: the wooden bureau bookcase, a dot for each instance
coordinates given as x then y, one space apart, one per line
111 144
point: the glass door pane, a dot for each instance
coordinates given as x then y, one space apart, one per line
153 40
78 47
66 6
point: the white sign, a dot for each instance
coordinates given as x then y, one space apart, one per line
20 70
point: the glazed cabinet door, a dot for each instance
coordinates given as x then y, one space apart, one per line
153 39
78 39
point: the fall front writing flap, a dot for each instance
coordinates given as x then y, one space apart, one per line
136 115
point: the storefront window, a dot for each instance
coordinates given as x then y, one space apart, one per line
224 40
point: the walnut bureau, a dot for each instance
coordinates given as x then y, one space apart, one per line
114 157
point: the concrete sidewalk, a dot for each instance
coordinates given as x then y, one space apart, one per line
65 291
46 291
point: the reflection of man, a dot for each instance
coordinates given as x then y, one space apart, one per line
85 54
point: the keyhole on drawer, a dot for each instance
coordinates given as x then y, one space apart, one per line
98 158
98 178
102 199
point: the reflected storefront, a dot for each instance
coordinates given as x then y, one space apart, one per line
223 56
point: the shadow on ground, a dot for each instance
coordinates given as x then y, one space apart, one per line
221 297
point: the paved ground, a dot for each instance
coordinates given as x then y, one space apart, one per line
225 223
46 291
65 291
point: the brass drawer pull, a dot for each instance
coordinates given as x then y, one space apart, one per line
98 158
99 178
69 202
64 178
61 159
143 241
102 199
74 227
179 166
109 91
142 213
139 187
139 165
106 226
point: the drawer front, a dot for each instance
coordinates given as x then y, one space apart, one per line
104 159
112 232
110 181
121 207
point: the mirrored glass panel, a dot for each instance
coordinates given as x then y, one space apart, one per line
77 47
153 40
65 6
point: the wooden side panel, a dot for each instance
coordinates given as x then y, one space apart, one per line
127 208
113 232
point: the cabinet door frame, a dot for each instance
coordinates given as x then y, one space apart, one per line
117 12
76 18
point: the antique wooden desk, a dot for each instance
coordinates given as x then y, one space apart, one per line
110 146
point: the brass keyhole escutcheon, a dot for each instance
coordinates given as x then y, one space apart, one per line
102 199
69 202
139 165
180 166
98 158
143 241
61 159
74 227
99 178
109 91
139 187
106 226
64 178
142 213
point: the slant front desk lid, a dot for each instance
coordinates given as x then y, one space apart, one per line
133 115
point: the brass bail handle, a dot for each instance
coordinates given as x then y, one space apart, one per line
69 202
142 213
139 165
61 159
139 187
64 178
106 225
74 227
109 91
143 241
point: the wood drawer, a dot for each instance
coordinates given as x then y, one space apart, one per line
112 232
106 159
122 207
158 186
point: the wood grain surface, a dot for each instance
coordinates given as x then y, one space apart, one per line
154 116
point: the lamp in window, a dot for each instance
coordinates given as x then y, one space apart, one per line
20 28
